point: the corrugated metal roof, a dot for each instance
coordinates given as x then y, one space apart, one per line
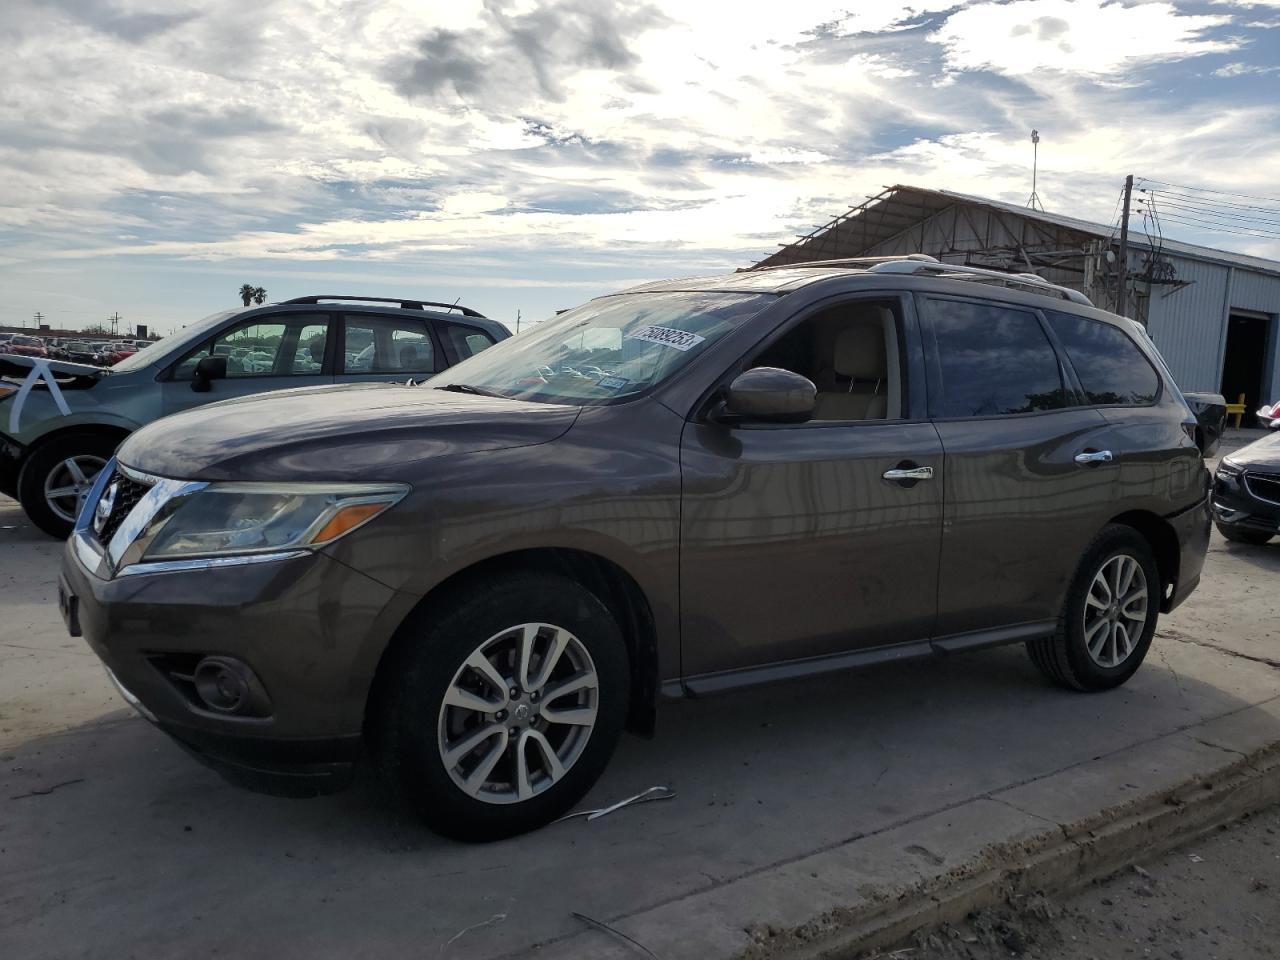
902 205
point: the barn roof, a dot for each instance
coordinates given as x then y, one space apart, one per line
902 206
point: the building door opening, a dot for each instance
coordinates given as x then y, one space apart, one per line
1244 367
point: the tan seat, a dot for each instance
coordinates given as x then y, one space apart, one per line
859 355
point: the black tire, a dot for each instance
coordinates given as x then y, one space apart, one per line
47 458
1064 657
432 646
1243 534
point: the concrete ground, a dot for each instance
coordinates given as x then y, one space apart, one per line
793 802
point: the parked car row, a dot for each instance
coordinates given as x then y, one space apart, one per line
478 581
103 353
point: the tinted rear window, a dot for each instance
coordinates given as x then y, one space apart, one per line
1110 366
993 361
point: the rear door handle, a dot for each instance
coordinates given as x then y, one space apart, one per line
912 473
1094 456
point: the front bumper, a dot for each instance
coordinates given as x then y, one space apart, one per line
1237 504
310 628
11 454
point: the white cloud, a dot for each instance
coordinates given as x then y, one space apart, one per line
1081 37
683 135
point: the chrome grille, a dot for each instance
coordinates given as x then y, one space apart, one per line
128 493
1264 486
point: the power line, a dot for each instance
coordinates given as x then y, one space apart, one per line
1218 228
1228 216
1203 201
1222 193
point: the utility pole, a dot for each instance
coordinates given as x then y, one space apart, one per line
115 320
39 319
1122 275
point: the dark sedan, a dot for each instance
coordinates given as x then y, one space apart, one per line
1246 492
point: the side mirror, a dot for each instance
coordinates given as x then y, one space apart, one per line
771 395
208 370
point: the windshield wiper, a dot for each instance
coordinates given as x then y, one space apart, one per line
468 388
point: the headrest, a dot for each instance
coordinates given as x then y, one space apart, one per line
860 351
316 347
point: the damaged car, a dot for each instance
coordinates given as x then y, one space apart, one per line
61 421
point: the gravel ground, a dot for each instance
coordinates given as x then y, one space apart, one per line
1215 899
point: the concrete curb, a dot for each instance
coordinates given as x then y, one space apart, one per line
1051 834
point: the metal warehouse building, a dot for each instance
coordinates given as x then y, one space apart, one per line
1212 313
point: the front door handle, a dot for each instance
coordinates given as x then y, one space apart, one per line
1094 456
909 473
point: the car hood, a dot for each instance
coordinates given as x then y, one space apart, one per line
1264 453
356 432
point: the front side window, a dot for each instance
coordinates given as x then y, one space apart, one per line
992 361
282 346
606 350
387 345
850 352
1110 366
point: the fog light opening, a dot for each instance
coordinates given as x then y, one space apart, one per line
222 684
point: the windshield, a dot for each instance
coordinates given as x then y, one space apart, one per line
605 350
191 334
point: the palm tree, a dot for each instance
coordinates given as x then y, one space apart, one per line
246 292
259 295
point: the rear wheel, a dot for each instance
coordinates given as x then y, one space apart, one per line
1109 616
57 476
1243 534
501 713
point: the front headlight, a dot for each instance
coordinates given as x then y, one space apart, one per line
1229 467
242 518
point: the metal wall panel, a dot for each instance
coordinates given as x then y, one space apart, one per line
1188 324
1255 291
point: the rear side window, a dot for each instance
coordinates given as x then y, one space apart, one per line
992 361
387 345
1110 366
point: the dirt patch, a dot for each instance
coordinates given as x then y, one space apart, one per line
1215 899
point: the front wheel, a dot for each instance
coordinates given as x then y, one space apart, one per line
497 716
1109 616
1243 534
57 476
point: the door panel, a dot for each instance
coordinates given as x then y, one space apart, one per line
1020 512
792 544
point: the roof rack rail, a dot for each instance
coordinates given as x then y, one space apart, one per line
404 304
857 263
955 271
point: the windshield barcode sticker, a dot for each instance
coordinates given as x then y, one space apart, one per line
668 337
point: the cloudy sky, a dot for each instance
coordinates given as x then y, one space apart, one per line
155 154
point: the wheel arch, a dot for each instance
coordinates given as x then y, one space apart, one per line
98 429
615 587
1164 547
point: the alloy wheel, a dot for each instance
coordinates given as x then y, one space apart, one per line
69 482
1115 611
518 713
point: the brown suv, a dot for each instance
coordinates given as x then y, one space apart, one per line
481 580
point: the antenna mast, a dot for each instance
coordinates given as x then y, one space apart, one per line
1034 203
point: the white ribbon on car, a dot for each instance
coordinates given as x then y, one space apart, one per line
40 370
